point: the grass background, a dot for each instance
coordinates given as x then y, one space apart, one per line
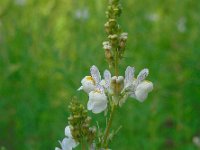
47 46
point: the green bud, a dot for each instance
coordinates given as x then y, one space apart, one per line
112 23
113 40
79 122
113 37
116 39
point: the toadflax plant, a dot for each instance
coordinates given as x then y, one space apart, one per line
107 93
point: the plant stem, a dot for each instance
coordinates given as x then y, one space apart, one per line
83 145
108 128
116 63
105 143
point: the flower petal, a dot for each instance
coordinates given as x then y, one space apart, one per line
99 107
142 90
97 101
68 132
107 78
88 84
145 85
100 88
140 95
103 83
90 105
73 143
68 144
129 74
95 74
65 144
142 75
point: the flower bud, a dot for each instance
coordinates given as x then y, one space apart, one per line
122 44
108 55
112 23
117 10
124 36
106 45
120 79
117 84
113 79
92 134
88 119
122 40
77 116
79 122
113 39
107 27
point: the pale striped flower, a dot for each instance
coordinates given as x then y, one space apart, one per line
97 101
68 143
137 88
89 83
141 87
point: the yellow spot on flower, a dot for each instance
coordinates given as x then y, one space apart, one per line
97 91
90 79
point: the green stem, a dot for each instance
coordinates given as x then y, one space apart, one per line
105 143
108 128
116 63
83 145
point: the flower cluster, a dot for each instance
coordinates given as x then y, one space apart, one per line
79 122
119 88
79 127
115 46
105 93
93 86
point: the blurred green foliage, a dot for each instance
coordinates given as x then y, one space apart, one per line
47 46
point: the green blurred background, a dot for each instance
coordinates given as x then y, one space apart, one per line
47 46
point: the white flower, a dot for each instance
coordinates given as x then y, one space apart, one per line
142 90
142 75
68 142
136 88
89 83
94 86
97 101
141 87
68 132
